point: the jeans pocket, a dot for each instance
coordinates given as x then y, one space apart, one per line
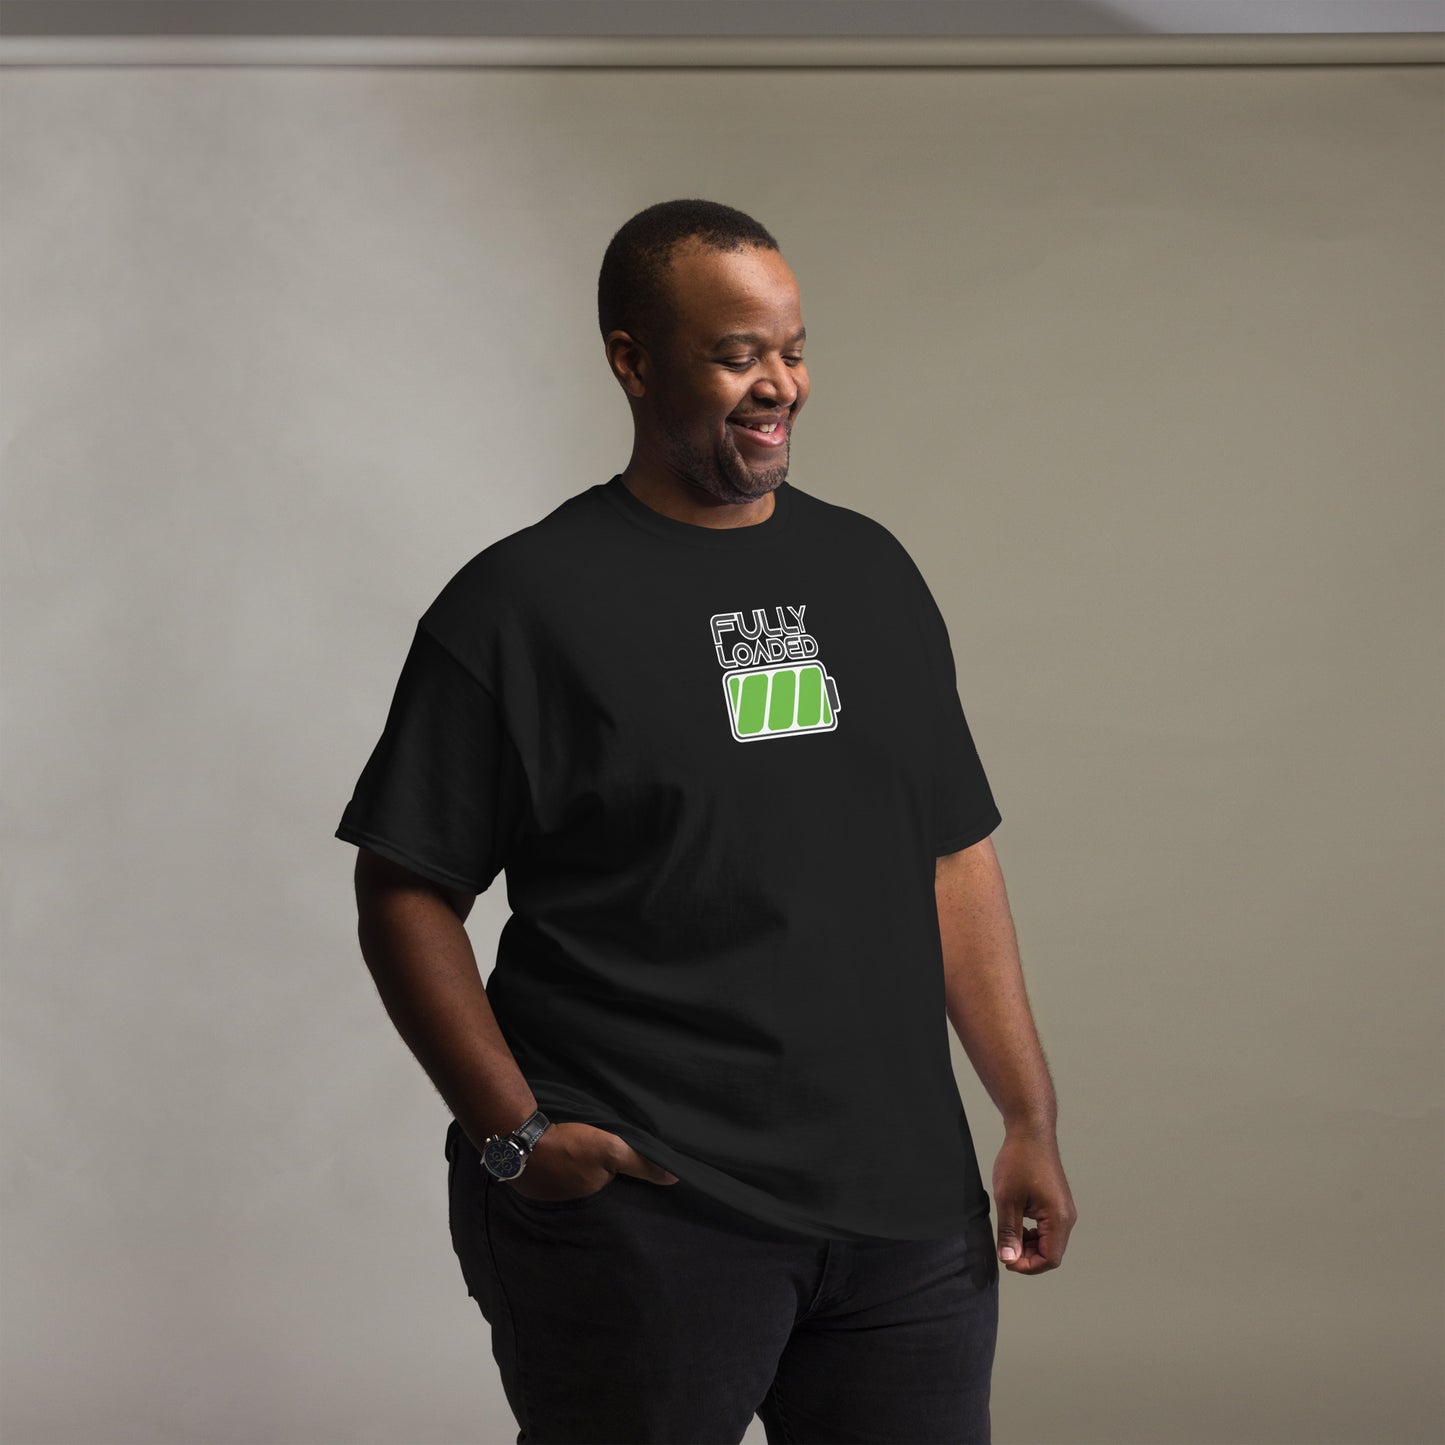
549 1205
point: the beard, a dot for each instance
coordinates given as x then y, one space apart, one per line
721 470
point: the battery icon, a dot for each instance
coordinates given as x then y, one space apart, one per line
771 702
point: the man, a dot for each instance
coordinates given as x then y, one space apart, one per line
709 1155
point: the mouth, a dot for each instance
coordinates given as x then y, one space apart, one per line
766 432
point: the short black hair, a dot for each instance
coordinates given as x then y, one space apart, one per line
632 290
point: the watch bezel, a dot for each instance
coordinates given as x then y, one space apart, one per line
503 1157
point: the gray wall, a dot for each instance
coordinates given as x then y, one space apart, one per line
1162 354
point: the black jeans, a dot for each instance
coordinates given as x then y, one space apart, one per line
652 1313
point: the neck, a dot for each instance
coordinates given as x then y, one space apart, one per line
665 493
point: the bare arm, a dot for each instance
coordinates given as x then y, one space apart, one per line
987 1004
412 937
413 940
989 1010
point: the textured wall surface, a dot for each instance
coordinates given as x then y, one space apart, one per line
1143 366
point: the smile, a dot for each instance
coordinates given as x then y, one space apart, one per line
775 435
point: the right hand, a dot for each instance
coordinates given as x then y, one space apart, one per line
572 1160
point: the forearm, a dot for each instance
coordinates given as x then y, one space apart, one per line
987 1003
422 962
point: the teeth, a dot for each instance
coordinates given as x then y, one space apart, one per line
771 426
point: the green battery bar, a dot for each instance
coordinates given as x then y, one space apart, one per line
771 702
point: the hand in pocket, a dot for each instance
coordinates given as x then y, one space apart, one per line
572 1161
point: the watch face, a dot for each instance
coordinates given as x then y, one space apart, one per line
503 1158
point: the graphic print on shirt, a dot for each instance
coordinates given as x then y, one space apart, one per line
775 685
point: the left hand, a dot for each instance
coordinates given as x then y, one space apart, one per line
1028 1179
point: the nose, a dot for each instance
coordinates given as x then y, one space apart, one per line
780 389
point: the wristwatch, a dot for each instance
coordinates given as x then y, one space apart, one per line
505 1155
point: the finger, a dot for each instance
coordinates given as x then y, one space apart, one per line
1010 1229
1053 1239
634 1163
1034 1259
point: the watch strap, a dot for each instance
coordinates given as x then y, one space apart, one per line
527 1133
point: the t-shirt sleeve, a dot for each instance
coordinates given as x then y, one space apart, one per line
964 811
444 792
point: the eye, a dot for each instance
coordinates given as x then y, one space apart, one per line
743 365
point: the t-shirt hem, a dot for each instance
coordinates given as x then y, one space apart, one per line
389 850
970 835
743 1199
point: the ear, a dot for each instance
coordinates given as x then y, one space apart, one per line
629 361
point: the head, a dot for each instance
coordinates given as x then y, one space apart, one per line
703 326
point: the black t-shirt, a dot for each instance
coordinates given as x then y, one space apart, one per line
717 765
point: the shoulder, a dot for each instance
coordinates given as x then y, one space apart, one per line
495 592
514 568
866 537
486 582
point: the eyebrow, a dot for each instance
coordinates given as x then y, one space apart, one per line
733 337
